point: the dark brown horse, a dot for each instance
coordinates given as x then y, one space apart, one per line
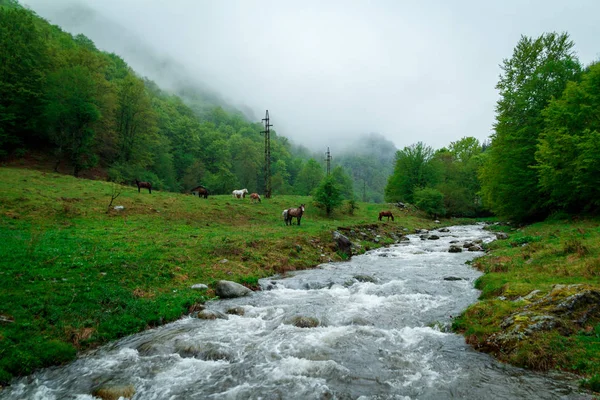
200 191
146 185
254 197
387 214
293 212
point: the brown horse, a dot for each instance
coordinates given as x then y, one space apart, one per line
387 214
254 197
293 212
146 185
200 191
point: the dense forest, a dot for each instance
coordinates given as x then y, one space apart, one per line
543 156
87 108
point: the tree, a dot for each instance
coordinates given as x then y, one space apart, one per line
567 153
431 201
538 70
23 62
327 195
343 181
309 178
71 110
412 170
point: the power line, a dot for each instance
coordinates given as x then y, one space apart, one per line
267 133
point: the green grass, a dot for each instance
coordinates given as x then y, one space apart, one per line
74 276
538 257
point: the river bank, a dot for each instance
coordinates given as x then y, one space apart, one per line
540 301
74 276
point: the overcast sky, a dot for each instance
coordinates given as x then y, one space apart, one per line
331 70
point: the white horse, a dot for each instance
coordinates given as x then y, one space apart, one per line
284 215
239 194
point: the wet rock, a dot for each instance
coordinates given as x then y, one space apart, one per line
466 245
455 249
236 311
230 290
453 278
211 314
305 322
114 392
433 237
199 286
343 243
365 278
501 235
443 230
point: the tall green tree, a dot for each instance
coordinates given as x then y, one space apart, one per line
309 178
568 150
71 110
328 195
413 170
538 70
23 64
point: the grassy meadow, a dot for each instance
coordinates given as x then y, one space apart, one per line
75 273
531 276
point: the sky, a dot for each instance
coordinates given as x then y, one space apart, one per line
329 71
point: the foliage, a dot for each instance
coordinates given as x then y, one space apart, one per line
412 170
328 195
431 201
538 71
567 154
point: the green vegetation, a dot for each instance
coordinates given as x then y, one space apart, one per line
74 276
527 278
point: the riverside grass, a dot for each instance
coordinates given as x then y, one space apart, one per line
538 257
73 276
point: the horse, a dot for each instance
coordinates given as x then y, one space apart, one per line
239 194
200 191
254 197
146 185
293 212
387 214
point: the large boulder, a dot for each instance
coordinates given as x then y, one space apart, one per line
230 290
343 244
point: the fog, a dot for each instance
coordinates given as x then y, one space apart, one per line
330 71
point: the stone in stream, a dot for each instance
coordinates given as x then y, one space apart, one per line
455 249
305 322
114 392
231 290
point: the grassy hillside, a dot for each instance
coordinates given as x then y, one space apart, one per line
540 302
73 275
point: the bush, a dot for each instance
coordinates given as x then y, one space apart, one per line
431 201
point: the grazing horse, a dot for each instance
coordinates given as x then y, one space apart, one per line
293 212
200 191
254 197
387 214
146 185
239 194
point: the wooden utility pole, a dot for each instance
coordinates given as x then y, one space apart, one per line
267 133
328 159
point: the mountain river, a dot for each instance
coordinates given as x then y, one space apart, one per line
381 334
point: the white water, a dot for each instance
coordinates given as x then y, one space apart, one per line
375 340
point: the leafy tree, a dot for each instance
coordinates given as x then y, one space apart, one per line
343 181
70 111
309 178
431 201
538 70
23 62
328 195
567 154
413 169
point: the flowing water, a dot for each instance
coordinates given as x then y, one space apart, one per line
380 336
